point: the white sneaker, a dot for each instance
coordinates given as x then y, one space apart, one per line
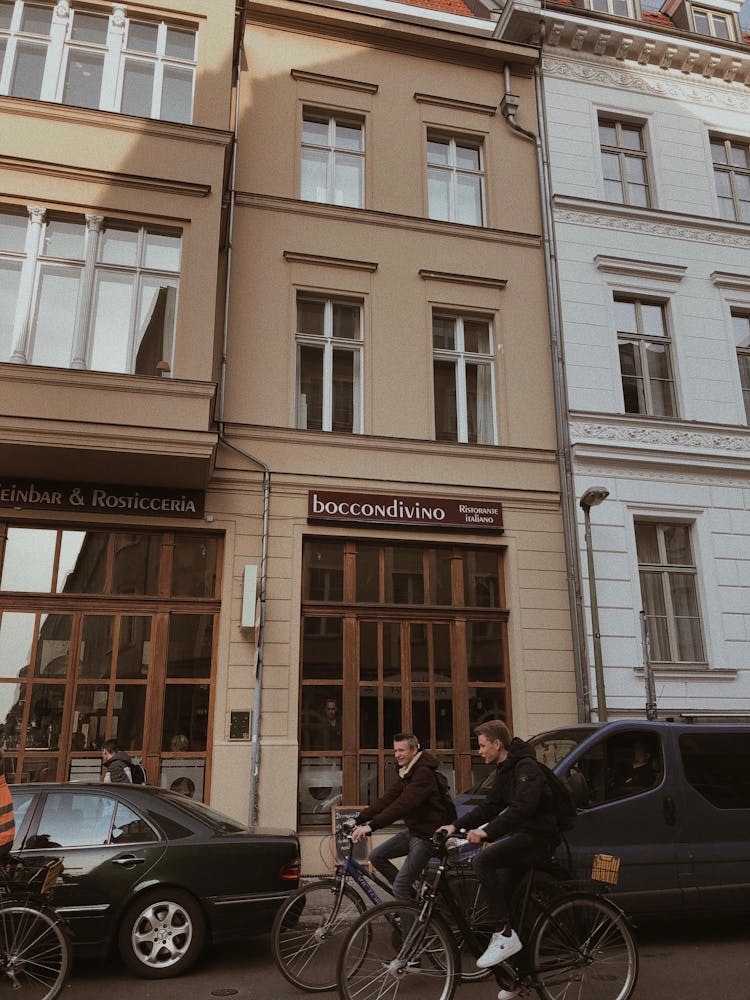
500 948
507 995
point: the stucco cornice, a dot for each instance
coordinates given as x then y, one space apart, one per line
650 222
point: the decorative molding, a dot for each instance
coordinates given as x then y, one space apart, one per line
449 102
604 215
654 474
651 81
725 279
463 279
640 268
667 437
293 257
105 177
340 82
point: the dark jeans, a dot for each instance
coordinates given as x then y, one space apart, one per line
496 864
417 852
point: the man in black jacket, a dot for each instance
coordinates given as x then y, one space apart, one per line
414 798
520 813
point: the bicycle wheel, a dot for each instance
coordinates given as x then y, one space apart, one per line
308 931
465 889
583 947
378 961
34 950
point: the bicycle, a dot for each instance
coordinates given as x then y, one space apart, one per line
579 943
35 951
309 928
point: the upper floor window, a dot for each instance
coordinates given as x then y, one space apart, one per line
741 327
669 590
624 163
620 8
87 293
333 160
455 179
710 22
731 161
329 364
94 60
645 363
463 379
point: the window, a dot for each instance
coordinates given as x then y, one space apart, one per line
463 379
624 163
645 364
716 766
79 57
455 179
415 639
731 161
333 160
669 590
87 293
628 763
709 22
620 8
329 364
741 326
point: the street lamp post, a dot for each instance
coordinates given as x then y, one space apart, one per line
593 496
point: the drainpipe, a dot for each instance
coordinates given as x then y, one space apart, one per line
509 108
258 658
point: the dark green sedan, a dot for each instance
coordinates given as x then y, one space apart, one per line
152 872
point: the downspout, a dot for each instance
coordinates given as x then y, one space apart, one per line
261 630
509 107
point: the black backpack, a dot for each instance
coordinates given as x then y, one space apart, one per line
137 774
446 799
563 804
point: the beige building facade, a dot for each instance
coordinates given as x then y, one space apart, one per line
288 482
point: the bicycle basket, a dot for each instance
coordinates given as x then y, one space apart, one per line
605 868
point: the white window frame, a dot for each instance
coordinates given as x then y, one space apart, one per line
623 153
642 339
453 171
712 16
664 569
731 170
607 7
89 268
742 317
332 118
328 343
459 357
60 43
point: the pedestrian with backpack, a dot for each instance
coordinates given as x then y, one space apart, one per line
521 828
417 798
116 763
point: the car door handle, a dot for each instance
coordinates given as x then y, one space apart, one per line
670 811
128 861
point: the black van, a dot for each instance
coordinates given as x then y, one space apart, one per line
671 799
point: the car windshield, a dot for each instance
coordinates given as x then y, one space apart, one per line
554 746
216 820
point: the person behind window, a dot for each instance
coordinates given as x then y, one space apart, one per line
331 727
179 743
640 772
116 763
520 813
415 798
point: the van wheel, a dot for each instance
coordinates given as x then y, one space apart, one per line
162 934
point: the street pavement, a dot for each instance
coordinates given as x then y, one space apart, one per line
683 959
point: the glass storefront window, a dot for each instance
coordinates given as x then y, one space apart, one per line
135 566
29 560
425 626
190 644
185 722
194 566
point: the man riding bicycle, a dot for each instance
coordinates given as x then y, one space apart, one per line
522 827
416 799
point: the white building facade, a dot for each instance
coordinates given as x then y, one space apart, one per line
648 138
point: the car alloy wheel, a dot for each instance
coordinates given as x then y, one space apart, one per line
162 933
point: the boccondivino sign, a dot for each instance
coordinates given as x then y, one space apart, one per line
399 511
95 498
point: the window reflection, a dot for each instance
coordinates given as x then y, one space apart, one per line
321 718
320 782
97 646
135 568
186 715
83 562
134 646
45 716
53 646
29 559
190 643
194 566
16 639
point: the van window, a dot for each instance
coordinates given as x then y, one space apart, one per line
717 765
622 765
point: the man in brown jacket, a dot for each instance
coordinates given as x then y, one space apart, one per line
415 798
